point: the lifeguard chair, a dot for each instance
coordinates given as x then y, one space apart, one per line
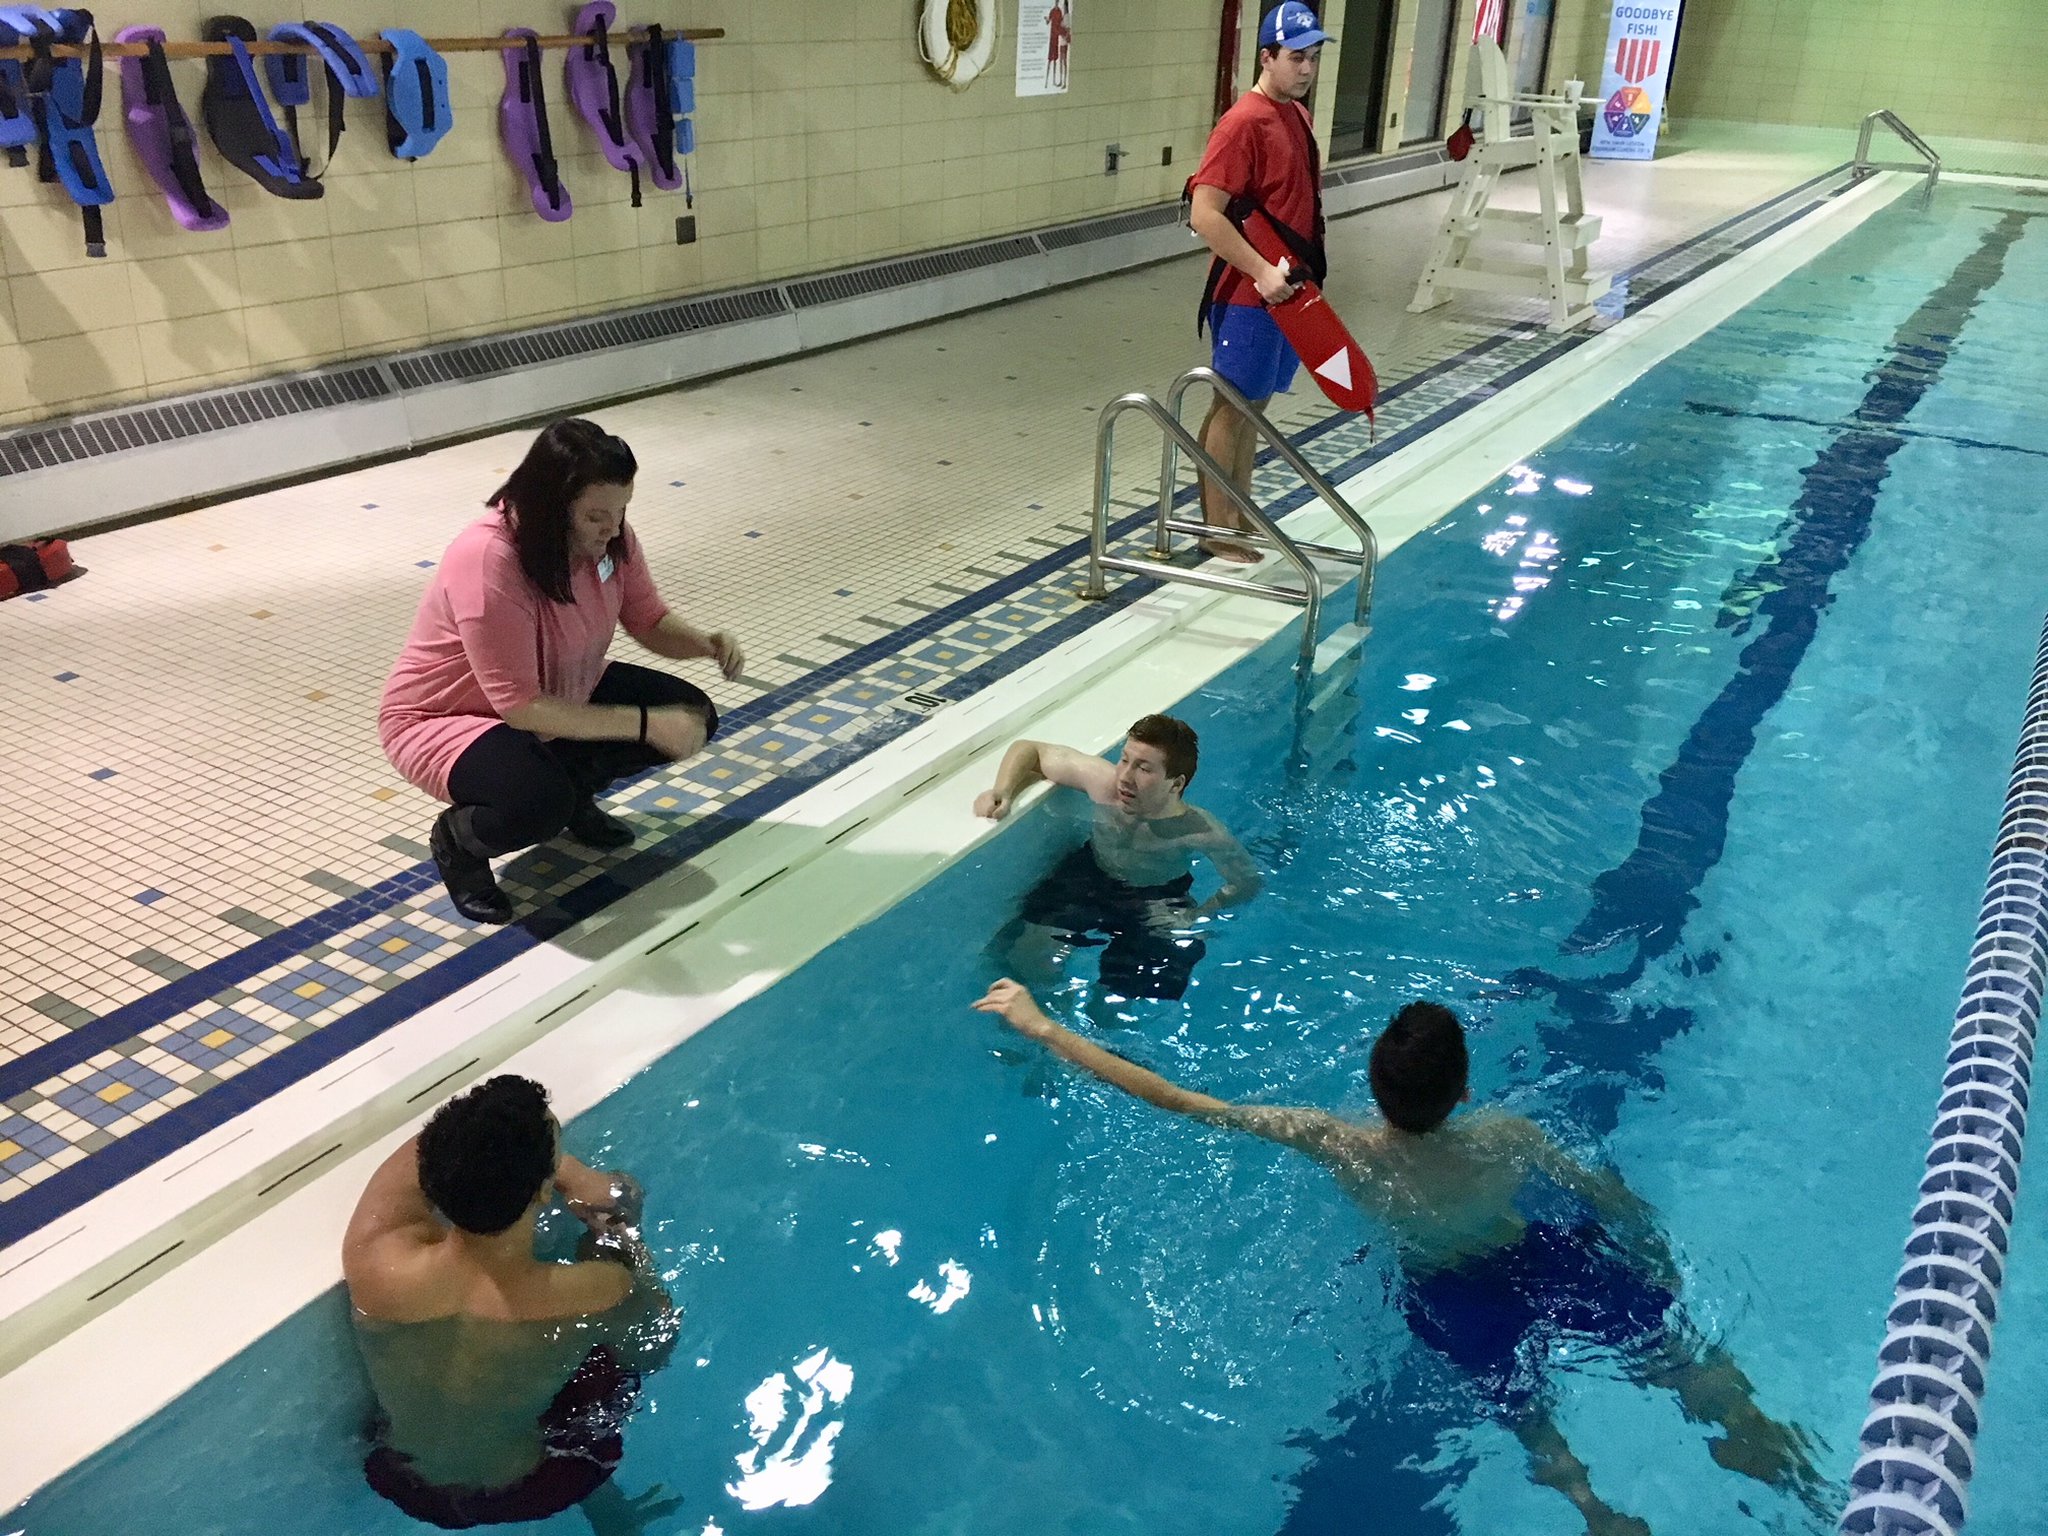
1561 231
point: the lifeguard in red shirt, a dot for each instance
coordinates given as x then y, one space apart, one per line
1261 157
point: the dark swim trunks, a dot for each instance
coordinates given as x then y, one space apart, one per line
1554 1280
581 1432
1080 900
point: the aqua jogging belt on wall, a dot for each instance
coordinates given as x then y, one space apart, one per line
238 117
62 97
161 134
523 125
417 109
660 94
593 85
291 78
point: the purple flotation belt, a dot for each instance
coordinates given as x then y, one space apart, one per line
593 85
656 100
523 125
162 134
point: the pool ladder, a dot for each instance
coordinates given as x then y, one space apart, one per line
1263 529
1931 162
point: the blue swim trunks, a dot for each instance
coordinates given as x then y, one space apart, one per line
1246 347
1495 1316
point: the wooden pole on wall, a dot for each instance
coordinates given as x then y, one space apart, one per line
195 50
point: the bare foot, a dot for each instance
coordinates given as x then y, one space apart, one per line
1230 552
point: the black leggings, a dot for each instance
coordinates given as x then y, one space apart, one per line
521 790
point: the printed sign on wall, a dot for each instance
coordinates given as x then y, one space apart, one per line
1639 45
1045 30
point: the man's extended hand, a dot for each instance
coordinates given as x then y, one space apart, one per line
1016 1007
992 804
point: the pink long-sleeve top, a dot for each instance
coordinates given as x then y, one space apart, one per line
485 641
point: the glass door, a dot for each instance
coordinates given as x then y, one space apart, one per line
1361 77
1429 67
1527 49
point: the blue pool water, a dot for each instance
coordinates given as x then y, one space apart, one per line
1673 764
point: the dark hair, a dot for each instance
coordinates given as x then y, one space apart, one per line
1419 1067
565 461
486 1153
1175 738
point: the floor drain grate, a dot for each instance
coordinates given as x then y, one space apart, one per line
920 703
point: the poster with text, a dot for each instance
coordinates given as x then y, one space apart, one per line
1045 29
1639 45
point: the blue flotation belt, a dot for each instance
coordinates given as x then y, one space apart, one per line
64 103
238 117
291 80
417 111
17 122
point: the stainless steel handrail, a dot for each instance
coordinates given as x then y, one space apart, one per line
1367 557
1309 598
1913 141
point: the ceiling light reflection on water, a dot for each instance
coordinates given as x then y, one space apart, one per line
798 1467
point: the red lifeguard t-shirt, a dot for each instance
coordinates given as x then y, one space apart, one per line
1255 148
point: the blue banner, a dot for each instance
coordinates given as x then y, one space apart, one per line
1640 41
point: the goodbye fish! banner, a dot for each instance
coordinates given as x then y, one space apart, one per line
1639 46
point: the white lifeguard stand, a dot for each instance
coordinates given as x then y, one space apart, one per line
1561 229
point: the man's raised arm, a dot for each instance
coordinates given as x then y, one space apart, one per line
1029 761
1307 1130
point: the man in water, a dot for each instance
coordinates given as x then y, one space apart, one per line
1487 1280
503 1380
1131 881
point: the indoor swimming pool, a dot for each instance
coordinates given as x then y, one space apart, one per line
1672 764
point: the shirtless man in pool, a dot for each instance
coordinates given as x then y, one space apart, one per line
1506 1241
503 1381
1130 882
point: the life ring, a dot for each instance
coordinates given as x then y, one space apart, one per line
956 59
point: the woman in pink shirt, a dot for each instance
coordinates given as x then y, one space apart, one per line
502 703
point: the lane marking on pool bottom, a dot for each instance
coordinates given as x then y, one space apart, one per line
1684 827
1649 895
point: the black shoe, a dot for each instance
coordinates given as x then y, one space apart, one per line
471 885
595 829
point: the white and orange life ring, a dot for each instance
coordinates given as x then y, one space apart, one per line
957 38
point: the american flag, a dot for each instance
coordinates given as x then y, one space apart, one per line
1487 24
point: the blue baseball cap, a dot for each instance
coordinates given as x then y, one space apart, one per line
1292 26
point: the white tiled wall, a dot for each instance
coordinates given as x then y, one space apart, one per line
825 142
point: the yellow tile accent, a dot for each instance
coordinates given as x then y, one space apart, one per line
393 946
818 717
668 802
113 1093
8 1149
309 989
216 1039
383 794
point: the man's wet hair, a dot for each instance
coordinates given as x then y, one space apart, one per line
1175 739
486 1153
1419 1067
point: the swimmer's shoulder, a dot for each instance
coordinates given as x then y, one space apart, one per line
586 1287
